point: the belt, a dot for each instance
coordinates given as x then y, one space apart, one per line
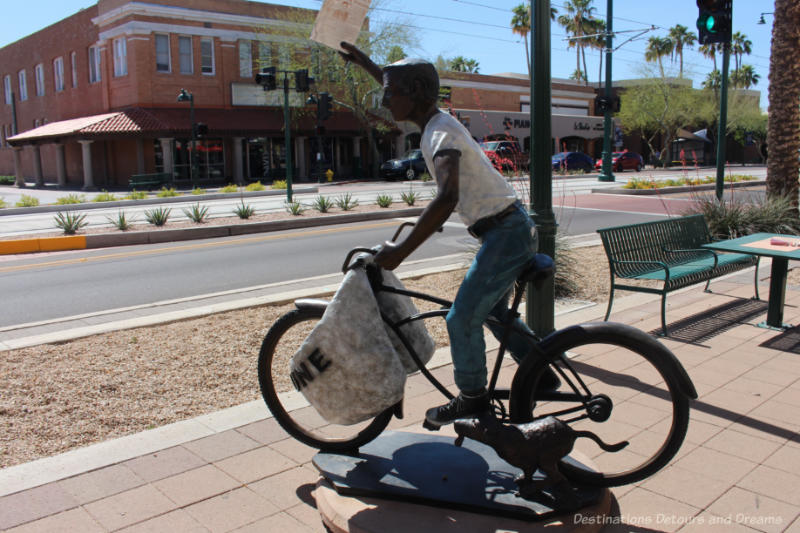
486 223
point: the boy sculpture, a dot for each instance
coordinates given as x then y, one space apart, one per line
469 184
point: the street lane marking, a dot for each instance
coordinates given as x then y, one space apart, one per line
188 247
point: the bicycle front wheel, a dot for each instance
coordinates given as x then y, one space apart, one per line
621 385
288 406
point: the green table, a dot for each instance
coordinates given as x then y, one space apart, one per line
759 244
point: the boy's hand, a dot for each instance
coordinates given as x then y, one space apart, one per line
390 256
356 56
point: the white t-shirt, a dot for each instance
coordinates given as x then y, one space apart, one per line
482 190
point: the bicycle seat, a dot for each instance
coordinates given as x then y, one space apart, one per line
537 270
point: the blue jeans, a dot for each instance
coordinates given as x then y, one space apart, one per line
505 250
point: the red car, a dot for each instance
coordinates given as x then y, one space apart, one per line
623 161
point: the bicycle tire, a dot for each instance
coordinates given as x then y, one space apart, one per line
304 423
656 411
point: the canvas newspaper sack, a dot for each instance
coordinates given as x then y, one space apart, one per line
348 368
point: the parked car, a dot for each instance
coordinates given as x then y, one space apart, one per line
572 161
411 165
623 161
506 155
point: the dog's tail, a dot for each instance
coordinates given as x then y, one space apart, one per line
607 447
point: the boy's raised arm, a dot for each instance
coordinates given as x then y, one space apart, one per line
361 59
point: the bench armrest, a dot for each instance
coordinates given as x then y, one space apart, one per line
694 250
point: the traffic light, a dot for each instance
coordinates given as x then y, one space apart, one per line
302 81
714 21
266 78
324 107
201 129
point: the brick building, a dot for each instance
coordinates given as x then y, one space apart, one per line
92 99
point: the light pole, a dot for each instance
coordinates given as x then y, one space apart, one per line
608 173
185 96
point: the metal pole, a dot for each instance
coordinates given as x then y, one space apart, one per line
193 154
723 119
20 180
287 138
608 173
540 304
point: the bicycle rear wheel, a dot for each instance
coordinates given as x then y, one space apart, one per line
618 383
288 406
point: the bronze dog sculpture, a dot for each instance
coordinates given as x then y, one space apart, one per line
536 445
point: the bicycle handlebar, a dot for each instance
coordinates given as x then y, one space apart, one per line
360 249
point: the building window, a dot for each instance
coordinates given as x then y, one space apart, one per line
207 56
245 59
23 85
73 59
7 87
38 75
185 55
120 57
162 53
58 73
264 55
284 57
94 64
3 135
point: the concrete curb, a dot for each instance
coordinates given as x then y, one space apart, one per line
190 198
672 190
105 240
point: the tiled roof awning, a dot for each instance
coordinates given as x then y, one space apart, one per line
169 122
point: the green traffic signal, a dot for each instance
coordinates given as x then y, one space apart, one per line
711 24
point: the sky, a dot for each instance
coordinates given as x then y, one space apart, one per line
480 30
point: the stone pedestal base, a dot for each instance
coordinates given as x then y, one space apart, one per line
416 482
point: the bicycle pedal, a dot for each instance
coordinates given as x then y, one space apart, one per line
429 426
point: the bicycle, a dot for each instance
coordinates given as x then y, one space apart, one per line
605 368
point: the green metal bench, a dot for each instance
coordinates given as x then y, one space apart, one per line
668 251
149 181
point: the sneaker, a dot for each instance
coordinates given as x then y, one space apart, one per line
465 405
549 380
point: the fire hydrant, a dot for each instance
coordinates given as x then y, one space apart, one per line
329 174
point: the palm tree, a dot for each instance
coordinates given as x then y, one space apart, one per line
713 80
680 37
521 25
710 50
462 64
598 41
658 47
577 22
740 45
745 77
783 140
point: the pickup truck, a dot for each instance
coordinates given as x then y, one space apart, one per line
506 155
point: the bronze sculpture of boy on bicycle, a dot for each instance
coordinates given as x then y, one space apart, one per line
469 184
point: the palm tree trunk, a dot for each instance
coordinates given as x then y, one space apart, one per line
585 72
783 141
527 56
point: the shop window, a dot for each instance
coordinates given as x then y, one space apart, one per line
23 85
58 74
94 64
207 56
73 58
120 57
186 55
162 53
264 55
245 59
38 75
7 87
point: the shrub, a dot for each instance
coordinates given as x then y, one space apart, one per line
158 216
279 184
229 188
255 187
136 195
295 208
346 202
104 196
71 198
27 201
322 204
70 222
2 202
409 197
121 221
166 193
384 200
735 217
425 176
7 180
244 211
198 191
196 213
